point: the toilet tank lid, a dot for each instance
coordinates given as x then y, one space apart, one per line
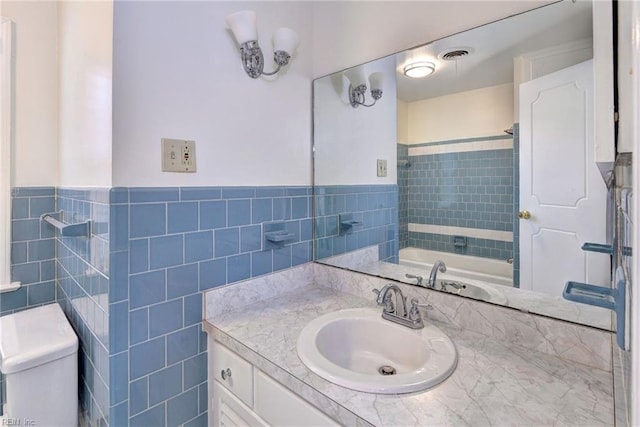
34 337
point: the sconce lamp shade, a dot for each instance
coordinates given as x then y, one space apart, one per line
286 40
377 81
243 26
356 76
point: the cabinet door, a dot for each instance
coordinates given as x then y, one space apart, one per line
229 411
240 382
280 407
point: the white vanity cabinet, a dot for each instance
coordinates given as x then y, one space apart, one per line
242 395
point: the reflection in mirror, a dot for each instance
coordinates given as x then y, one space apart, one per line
486 163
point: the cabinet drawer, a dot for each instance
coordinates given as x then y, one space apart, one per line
240 383
280 407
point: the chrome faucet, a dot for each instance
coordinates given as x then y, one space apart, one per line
411 319
385 299
439 265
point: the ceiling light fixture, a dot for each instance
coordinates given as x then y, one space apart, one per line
419 69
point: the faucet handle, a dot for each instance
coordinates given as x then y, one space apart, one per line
419 279
414 313
414 303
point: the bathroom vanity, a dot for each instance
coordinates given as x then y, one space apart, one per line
253 328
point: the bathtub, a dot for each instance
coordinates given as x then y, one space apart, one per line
463 266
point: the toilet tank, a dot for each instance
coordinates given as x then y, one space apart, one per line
38 356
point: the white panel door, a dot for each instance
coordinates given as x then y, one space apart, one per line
560 184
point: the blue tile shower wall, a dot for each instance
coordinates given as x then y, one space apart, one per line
403 195
375 207
82 275
497 249
168 246
516 204
473 189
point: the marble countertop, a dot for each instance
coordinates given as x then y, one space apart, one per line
493 384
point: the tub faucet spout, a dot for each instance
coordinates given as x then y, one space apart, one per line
438 266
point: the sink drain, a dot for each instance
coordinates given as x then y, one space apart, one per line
387 370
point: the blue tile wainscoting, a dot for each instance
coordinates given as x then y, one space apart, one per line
467 189
33 247
82 277
374 207
168 246
133 289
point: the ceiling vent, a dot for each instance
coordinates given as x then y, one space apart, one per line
455 53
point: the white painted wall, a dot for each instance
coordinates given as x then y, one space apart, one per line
349 140
481 112
348 33
36 91
178 74
85 35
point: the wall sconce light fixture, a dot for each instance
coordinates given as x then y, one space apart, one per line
243 26
419 69
358 86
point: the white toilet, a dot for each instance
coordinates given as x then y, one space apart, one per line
38 356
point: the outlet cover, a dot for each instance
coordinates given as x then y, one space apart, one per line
178 155
382 167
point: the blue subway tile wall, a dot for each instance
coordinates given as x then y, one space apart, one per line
516 204
373 207
497 249
472 189
82 277
33 249
168 246
403 195
468 189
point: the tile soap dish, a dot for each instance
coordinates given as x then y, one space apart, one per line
601 296
590 294
347 221
279 236
276 235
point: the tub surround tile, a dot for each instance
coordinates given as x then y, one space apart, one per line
495 382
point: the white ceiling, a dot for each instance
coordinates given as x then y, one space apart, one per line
493 48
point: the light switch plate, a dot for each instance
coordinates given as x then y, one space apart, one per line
178 155
382 167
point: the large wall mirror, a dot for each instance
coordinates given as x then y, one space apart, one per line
478 150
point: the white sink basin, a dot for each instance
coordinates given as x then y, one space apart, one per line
350 347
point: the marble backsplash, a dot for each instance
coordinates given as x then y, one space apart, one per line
576 343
